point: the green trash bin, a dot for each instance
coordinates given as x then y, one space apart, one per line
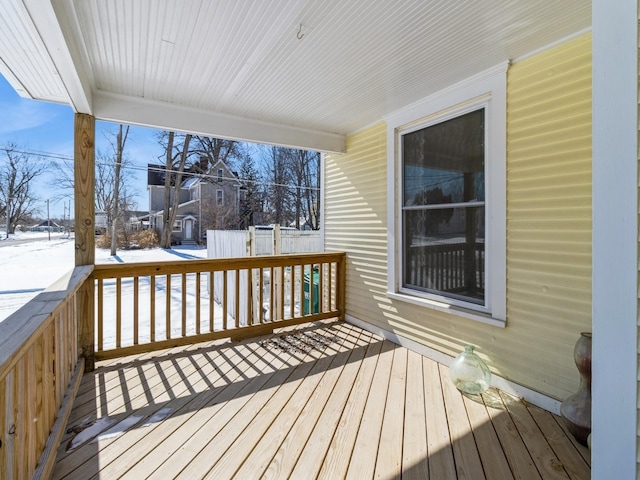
308 281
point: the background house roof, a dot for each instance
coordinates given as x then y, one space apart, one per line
301 73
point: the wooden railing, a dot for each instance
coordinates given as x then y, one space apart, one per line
148 306
448 267
39 375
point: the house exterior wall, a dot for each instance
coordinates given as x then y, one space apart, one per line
548 229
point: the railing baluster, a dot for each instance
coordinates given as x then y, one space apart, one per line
118 312
272 295
321 287
237 297
167 312
225 287
302 290
292 290
152 308
184 304
136 300
250 312
212 302
198 279
281 293
261 296
100 315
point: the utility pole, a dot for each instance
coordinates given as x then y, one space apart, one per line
48 220
8 212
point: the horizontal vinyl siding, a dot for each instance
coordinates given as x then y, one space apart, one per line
548 229
356 219
549 205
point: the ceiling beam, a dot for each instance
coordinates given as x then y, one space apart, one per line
71 71
167 116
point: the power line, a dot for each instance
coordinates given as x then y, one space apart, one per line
160 169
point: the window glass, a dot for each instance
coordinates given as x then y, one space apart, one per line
443 212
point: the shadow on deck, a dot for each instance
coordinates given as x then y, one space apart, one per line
327 400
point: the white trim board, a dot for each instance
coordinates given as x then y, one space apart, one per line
486 89
531 396
614 414
150 113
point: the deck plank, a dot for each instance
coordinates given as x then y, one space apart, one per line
186 443
210 443
389 459
465 451
155 432
545 459
366 445
260 457
282 407
415 460
357 406
441 463
520 461
310 459
72 459
286 457
494 462
573 460
336 461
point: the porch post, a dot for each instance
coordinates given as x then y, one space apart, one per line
84 205
615 239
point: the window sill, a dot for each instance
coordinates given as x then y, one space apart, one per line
450 309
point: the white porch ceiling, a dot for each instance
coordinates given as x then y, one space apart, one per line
294 72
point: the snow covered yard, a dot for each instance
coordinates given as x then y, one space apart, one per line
28 268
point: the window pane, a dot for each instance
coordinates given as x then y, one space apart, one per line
444 163
444 252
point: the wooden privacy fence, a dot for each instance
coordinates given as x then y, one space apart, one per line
39 374
148 306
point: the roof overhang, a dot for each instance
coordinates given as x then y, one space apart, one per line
298 73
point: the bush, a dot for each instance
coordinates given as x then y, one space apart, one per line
130 240
145 239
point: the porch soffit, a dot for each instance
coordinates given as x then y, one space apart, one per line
292 72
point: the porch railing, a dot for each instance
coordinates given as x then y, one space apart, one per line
39 373
453 267
148 306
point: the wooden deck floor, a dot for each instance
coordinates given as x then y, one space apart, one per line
323 401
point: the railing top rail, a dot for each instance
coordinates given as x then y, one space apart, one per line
212 264
20 329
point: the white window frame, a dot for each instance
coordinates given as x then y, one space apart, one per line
220 200
485 90
177 226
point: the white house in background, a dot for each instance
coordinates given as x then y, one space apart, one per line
207 201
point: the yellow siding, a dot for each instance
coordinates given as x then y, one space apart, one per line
638 319
548 228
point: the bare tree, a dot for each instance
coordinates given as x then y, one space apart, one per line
304 169
17 200
121 140
113 195
215 149
175 164
277 176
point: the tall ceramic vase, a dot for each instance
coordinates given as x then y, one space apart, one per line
576 409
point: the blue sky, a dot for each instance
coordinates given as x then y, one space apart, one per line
48 127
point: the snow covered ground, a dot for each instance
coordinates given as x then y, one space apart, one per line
28 268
